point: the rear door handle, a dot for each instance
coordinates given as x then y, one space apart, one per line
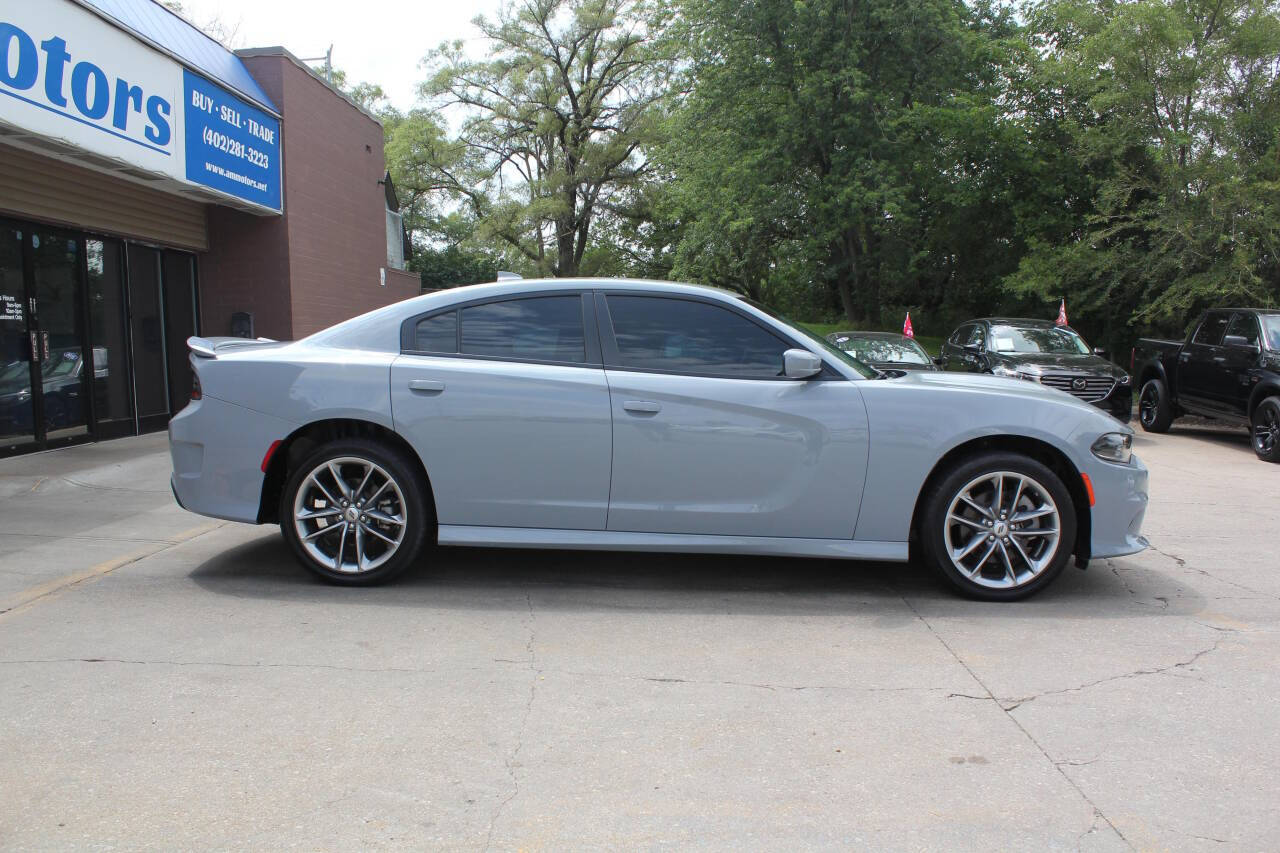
642 407
429 385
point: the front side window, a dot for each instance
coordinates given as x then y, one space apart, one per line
1210 331
541 328
1039 339
976 337
1244 326
680 335
960 336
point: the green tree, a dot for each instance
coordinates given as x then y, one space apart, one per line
1171 108
555 120
830 140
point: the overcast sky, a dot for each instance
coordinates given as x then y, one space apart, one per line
374 41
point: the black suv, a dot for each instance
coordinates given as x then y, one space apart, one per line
1040 351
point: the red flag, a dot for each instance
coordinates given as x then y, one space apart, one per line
1062 314
906 327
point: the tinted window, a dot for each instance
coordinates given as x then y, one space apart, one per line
1243 325
960 335
692 337
545 328
437 334
1210 331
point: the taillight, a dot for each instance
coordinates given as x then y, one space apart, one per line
195 385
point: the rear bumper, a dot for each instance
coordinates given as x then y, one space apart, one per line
217 450
1121 504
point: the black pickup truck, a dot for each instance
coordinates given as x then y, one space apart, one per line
1228 369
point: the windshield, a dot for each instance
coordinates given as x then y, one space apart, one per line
1271 330
864 370
1041 339
873 350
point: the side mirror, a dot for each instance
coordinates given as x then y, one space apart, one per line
937 360
973 349
1100 352
800 364
1238 341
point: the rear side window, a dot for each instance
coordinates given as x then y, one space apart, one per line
1244 326
437 334
1210 331
679 335
544 328
960 335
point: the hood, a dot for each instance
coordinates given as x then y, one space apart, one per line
1037 362
1001 385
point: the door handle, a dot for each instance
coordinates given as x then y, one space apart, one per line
1219 358
427 385
642 407
1184 356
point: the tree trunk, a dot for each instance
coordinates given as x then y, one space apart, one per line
846 299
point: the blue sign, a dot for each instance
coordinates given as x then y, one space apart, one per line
230 146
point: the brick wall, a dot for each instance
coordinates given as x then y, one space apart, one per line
319 263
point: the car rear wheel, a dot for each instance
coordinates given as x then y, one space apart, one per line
1266 430
354 513
1155 409
999 526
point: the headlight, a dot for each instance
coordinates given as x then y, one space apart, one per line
1114 447
1001 370
1124 380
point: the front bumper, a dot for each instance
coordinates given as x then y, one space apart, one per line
217 450
1120 493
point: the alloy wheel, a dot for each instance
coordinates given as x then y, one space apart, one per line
1266 432
1002 529
350 515
1149 404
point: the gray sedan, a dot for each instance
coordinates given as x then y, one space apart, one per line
628 415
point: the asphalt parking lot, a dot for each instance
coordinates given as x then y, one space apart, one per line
174 682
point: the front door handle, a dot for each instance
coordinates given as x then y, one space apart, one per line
427 385
642 407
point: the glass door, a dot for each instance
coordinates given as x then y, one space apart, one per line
58 335
17 407
146 333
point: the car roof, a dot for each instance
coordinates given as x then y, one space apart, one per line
1017 321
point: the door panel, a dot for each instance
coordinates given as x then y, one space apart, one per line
508 444
712 455
1198 372
17 408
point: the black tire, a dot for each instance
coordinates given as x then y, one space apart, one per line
406 501
1155 409
1039 482
1266 429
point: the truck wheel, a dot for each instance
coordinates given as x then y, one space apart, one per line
1266 430
1155 409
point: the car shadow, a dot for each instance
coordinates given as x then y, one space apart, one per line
504 579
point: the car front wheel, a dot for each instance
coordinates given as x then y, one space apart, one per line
354 513
999 526
1266 430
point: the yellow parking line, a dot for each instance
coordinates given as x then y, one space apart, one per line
31 595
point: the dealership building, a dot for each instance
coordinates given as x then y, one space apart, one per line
155 185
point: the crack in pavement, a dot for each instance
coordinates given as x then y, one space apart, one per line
535 673
1097 812
1018 702
1183 564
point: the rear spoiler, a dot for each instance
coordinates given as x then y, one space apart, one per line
210 347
